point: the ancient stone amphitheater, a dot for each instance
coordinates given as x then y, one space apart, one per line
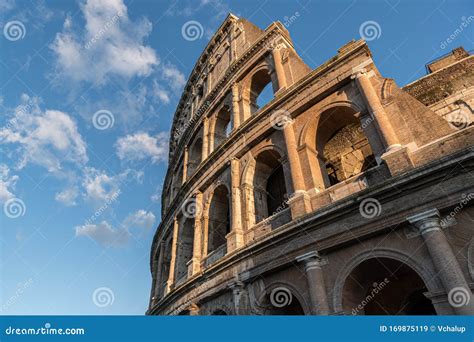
343 194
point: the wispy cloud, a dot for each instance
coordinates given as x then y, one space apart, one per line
104 234
7 183
141 146
109 45
43 137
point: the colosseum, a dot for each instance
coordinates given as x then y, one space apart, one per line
343 194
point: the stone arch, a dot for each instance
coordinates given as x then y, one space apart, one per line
426 276
296 306
337 144
218 209
195 151
221 126
253 85
184 248
260 201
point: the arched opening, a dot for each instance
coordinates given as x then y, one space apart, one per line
270 194
219 313
219 219
261 90
341 142
194 156
184 248
223 126
164 268
385 286
283 304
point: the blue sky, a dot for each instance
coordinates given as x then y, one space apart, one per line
84 125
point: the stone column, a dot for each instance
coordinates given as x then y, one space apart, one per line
185 164
299 201
235 106
280 72
241 298
315 278
174 246
235 239
376 109
205 138
211 134
197 245
443 258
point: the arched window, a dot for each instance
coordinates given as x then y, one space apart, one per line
270 194
341 141
184 248
261 90
222 126
164 268
194 156
219 219
385 286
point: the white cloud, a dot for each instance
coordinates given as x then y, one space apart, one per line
7 183
45 138
140 219
173 76
67 196
104 234
160 93
140 146
101 187
111 44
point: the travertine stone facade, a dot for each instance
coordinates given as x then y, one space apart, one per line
344 194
